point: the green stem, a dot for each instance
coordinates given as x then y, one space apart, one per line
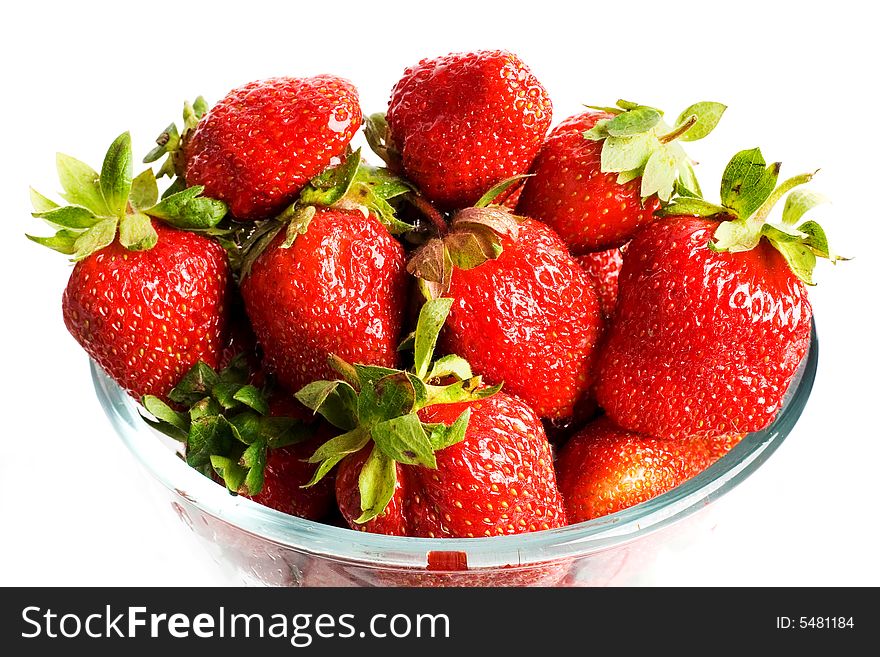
784 188
680 130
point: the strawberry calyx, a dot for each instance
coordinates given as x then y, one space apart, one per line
170 144
380 405
637 142
102 206
352 184
474 235
749 192
227 429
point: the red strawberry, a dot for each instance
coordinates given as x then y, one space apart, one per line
145 300
602 174
260 145
604 269
287 470
339 288
466 121
498 480
529 318
603 469
712 317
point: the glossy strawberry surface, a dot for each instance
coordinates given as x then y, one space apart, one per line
529 319
498 480
259 145
568 191
703 343
604 469
604 270
466 121
340 289
146 317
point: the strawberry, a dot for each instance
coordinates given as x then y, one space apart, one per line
526 314
432 452
287 469
601 175
461 123
603 469
712 315
145 299
331 280
260 145
604 270
255 441
498 480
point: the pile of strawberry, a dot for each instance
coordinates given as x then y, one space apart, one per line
395 343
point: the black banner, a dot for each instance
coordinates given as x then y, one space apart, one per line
400 621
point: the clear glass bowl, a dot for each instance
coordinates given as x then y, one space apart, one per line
259 545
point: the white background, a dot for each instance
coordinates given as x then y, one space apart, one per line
800 80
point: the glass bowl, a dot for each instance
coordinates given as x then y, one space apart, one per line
259 545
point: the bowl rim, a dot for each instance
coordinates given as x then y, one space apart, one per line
521 550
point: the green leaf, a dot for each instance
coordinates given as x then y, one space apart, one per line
136 232
461 391
336 449
69 216
747 182
195 385
331 185
659 175
450 365
498 189
254 460
800 259
708 115
251 396
697 207
387 398
144 191
188 210
432 316
621 154
404 440
798 203
230 471
116 175
95 238
224 393
735 236
348 372
627 176
687 180
64 241
371 373
208 435
282 431
81 184
376 484
599 131
200 107
164 413
247 425
443 436
298 221
40 203
337 401
632 122
469 249
167 141
204 407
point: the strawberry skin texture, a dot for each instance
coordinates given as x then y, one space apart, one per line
466 121
340 289
604 469
259 146
287 470
498 480
604 270
146 317
703 343
529 319
569 192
